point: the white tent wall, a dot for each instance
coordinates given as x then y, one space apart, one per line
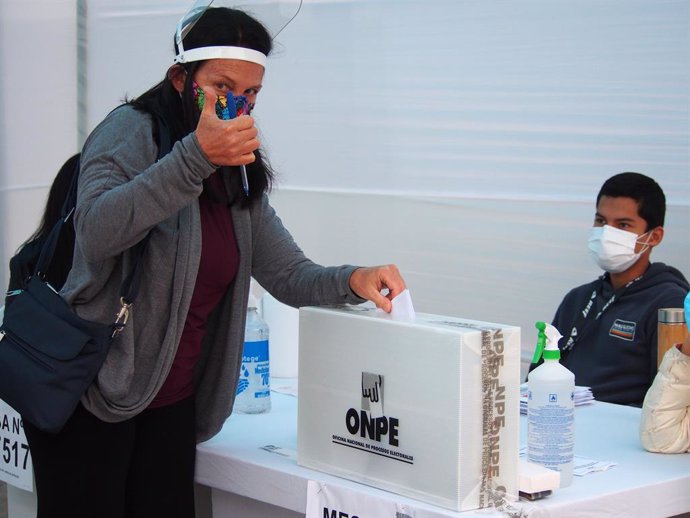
467 141
38 111
463 140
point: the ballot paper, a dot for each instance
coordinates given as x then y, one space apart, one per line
584 466
583 396
402 309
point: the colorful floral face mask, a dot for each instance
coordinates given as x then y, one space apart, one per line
227 106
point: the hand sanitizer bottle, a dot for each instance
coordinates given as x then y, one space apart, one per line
253 388
550 408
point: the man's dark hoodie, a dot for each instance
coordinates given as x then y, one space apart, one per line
616 353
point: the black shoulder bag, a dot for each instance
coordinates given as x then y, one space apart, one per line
48 354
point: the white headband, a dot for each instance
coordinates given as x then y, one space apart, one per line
203 53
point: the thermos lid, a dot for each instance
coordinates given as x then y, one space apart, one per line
671 316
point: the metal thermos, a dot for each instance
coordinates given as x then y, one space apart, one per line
671 330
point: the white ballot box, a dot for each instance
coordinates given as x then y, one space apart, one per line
427 408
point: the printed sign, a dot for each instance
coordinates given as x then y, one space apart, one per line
324 501
15 462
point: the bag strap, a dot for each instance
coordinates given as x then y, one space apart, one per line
130 286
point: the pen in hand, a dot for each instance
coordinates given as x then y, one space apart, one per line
228 107
245 181
242 107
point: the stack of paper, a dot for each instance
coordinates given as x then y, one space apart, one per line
583 396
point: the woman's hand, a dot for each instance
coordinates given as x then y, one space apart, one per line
369 281
226 142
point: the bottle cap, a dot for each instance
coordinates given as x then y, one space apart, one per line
252 301
671 316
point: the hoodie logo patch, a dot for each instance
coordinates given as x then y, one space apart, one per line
623 329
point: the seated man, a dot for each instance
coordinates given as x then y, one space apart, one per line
610 325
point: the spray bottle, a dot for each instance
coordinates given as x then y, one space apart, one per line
550 408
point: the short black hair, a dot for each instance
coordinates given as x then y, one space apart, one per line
651 202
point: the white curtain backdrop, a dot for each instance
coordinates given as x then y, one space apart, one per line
528 100
465 141
38 111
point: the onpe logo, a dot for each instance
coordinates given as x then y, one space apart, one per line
372 394
371 421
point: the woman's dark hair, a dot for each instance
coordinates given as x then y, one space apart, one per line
56 198
650 199
23 263
218 26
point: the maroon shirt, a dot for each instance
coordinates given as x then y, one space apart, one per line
217 269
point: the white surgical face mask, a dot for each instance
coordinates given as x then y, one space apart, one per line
613 249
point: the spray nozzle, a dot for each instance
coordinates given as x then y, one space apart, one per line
547 342
541 342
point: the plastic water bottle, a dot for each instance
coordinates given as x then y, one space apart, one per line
551 408
254 389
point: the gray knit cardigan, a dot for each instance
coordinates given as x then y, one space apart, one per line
123 195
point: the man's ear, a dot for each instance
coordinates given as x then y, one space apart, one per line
177 75
655 236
